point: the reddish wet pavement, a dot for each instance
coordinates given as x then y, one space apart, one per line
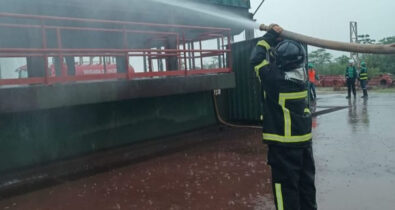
354 153
228 173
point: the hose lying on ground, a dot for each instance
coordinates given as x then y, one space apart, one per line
334 45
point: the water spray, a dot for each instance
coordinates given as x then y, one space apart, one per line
250 24
211 11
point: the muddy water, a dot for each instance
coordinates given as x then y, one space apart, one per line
355 153
230 172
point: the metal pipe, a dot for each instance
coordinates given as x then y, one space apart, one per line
335 45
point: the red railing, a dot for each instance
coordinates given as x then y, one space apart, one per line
182 54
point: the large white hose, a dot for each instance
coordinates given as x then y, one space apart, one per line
335 45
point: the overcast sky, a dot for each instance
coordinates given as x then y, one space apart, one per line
329 19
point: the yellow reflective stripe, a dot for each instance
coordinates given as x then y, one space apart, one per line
307 110
279 196
261 117
287 116
363 76
264 44
264 63
286 139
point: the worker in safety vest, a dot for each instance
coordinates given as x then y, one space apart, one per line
363 79
313 76
351 75
287 122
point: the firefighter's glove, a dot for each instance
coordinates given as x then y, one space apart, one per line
276 29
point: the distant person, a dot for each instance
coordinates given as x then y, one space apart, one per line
351 75
287 122
363 79
313 76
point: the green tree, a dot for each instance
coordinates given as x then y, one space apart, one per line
381 63
320 57
343 60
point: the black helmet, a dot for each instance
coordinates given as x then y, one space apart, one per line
290 55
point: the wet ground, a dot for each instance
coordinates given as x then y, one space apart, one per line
355 157
355 153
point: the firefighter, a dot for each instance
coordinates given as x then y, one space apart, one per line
313 76
287 122
363 79
351 75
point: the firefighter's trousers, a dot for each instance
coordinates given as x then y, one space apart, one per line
293 173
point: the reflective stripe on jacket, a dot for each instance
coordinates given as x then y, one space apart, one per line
363 75
286 116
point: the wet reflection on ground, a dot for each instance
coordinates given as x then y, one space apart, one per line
354 151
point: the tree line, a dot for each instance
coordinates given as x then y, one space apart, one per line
325 64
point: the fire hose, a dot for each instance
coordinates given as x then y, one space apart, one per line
335 45
328 44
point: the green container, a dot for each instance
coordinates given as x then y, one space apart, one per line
244 102
38 137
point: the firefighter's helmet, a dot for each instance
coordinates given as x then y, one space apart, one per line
290 55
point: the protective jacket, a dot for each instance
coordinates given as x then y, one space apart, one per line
286 116
351 72
313 75
363 75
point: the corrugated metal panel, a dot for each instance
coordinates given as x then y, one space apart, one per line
244 100
234 3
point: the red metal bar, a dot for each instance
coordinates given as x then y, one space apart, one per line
193 55
158 74
102 50
201 57
59 39
230 51
90 77
210 71
185 53
149 62
44 45
86 29
223 55
208 32
27 81
178 52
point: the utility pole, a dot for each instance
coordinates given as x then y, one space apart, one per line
250 33
354 39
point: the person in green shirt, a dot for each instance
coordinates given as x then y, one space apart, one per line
363 79
351 75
